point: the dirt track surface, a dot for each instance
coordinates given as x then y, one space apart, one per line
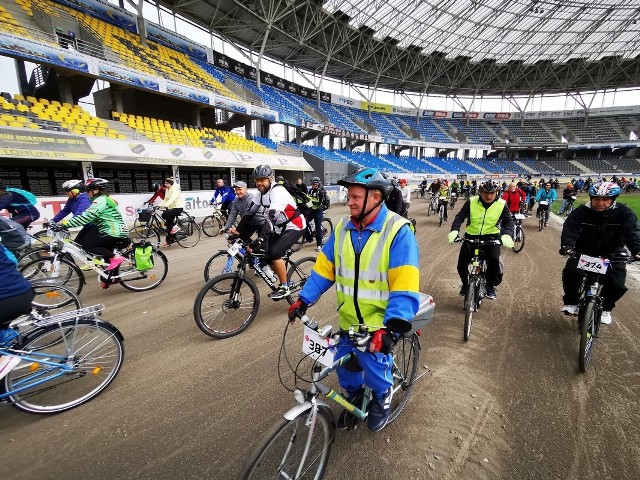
510 403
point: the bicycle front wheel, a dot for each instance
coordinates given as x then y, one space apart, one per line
441 214
518 243
587 319
327 227
469 308
94 349
189 234
541 222
406 354
218 264
283 452
144 232
226 305
297 276
58 270
142 280
211 225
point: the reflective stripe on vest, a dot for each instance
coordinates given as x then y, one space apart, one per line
484 221
372 282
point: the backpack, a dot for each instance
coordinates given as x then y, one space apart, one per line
30 197
143 256
303 200
326 202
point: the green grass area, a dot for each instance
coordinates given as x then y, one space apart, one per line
632 200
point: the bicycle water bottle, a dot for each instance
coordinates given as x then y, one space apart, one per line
256 264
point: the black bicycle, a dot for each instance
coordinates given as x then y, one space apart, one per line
310 233
151 226
476 281
518 239
543 214
441 206
454 199
228 303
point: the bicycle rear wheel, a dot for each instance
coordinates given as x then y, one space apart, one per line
406 354
587 319
518 243
140 281
144 232
218 264
189 234
297 276
281 454
226 305
93 348
60 271
211 225
441 214
327 227
469 309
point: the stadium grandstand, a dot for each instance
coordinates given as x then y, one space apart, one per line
163 103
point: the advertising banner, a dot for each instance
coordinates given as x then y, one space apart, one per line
347 102
179 90
122 74
106 11
376 107
176 41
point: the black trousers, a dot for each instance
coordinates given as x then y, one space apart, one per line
93 241
492 256
12 307
612 284
169 216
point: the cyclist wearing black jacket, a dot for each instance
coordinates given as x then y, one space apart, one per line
600 228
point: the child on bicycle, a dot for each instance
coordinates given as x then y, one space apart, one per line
600 228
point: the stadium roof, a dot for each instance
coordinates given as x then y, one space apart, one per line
452 47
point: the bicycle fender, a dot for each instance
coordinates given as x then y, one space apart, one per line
303 407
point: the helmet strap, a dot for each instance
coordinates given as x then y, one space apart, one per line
364 214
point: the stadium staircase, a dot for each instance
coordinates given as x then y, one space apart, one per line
577 164
526 167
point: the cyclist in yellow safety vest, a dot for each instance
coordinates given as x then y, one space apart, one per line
484 213
372 257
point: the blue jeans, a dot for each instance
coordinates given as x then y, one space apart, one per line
375 370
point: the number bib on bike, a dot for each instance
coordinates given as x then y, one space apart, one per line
593 264
318 348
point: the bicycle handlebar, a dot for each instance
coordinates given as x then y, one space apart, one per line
478 242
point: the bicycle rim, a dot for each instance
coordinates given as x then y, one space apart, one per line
139 281
61 271
406 354
211 226
281 453
219 264
226 305
144 232
298 275
327 227
96 352
189 234
469 307
587 319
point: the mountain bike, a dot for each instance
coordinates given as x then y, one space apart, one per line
309 235
454 199
441 207
543 214
212 224
590 303
187 236
518 238
569 206
433 205
476 281
63 362
57 262
299 445
228 303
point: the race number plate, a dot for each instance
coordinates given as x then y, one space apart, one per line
318 348
234 249
593 264
543 203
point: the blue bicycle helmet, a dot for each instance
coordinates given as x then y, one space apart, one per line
604 189
369 178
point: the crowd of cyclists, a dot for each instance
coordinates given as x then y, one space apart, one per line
371 256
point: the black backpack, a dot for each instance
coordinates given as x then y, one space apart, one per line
303 200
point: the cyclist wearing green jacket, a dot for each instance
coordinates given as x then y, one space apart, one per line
102 221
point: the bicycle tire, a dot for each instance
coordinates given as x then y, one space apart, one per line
541 222
327 227
97 354
189 234
211 225
217 265
221 305
519 242
144 233
280 451
406 354
441 214
469 308
69 274
33 254
297 276
141 281
587 320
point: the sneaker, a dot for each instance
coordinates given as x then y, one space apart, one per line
491 293
319 248
379 411
115 263
281 292
174 230
346 421
463 290
546 224
569 309
8 363
606 318
7 337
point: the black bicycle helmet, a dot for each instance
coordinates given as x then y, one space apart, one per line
280 179
488 186
262 171
369 178
315 180
96 183
155 187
